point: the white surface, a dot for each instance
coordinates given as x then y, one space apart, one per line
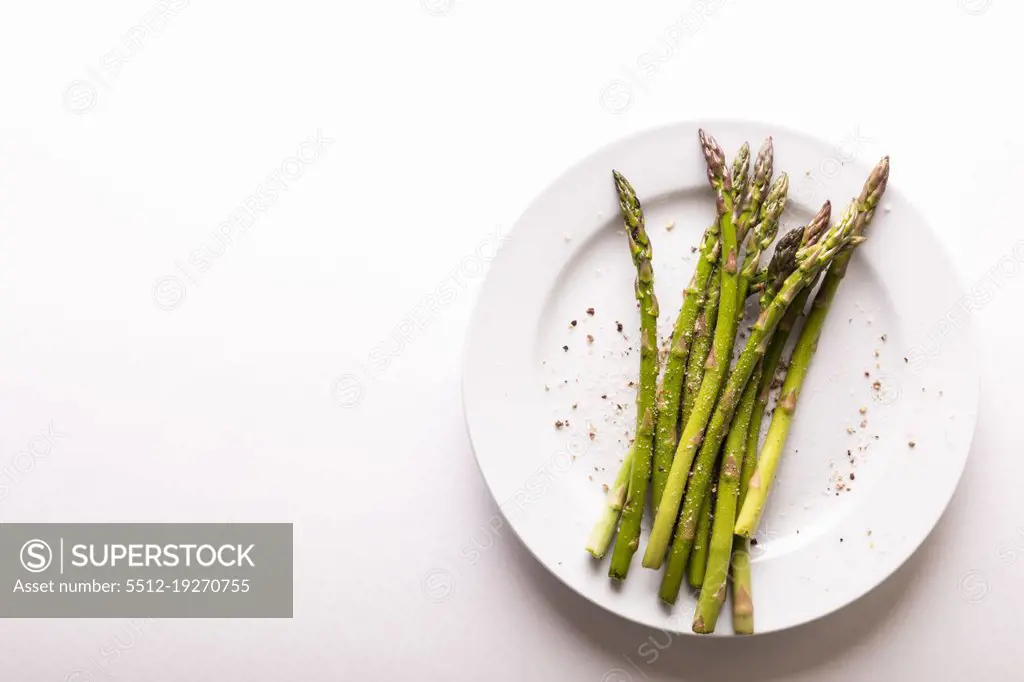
853 498
445 127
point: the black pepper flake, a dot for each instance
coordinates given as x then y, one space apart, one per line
565 348
905 360
618 326
912 444
884 337
590 311
604 396
853 476
840 539
753 542
867 373
559 424
573 323
590 338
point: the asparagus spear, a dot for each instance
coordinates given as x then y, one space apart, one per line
764 374
704 286
725 330
783 262
712 595
604 530
742 599
703 332
811 258
688 325
640 248
761 238
752 195
857 216
699 564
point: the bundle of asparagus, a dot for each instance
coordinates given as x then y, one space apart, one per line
703 420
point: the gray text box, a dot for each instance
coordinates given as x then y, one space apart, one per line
164 570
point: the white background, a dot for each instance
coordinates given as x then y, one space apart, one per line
444 120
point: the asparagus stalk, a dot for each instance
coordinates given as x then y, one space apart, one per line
604 530
762 236
811 258
640 248
686 329
742 594
743 214
782 263
856 218
735 471
718 361
695 299
714 567
702 336
716 580
742 597
698 565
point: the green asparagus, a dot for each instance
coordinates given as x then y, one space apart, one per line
712 595
761 237
718 360
640 248
811 259
604 530
699 562
856 218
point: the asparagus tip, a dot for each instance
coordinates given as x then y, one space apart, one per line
714 157
818 224
783 182
765 161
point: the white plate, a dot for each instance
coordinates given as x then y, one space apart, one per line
817 550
